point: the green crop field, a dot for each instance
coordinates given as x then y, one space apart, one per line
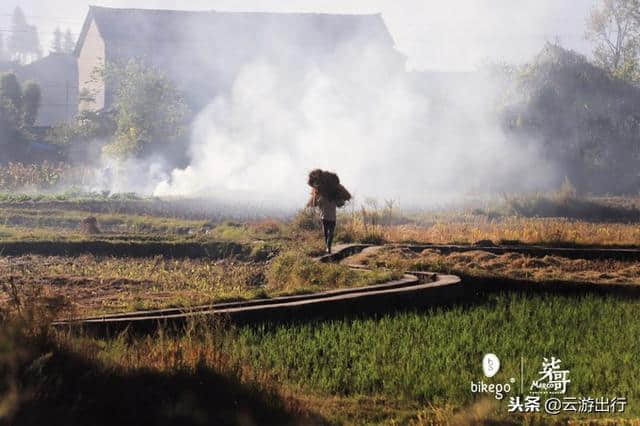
432 357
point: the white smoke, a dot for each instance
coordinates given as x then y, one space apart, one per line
362 118
122 176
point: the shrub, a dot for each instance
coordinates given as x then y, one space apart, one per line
293 270
42 176
307 220
267 226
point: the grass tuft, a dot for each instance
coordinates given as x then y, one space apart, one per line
293 271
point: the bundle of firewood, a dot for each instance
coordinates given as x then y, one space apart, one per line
328 185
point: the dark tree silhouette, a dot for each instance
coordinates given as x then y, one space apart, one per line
18 109
586 121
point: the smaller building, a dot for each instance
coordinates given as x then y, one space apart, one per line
57 76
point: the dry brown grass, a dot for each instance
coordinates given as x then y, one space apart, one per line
92 285
88 285
476 228
179 377
510 265
478 413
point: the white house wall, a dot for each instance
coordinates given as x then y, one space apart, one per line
90 58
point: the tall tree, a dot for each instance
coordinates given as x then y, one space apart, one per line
68 44
24 43
614 27
586 122
56 43
150 111
10 109
10 90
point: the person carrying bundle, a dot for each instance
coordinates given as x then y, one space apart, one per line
327 195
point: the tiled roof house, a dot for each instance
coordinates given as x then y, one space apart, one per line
202 52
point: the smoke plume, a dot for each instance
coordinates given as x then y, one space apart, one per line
361 116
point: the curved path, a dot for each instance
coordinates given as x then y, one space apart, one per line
419 288
413 289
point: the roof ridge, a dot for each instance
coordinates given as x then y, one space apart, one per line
331 27
231 11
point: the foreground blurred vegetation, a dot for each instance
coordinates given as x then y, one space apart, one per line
48 376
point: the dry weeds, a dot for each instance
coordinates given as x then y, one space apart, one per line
475 228
511 265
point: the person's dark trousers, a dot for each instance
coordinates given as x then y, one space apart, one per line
329 227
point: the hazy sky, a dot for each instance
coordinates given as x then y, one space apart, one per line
453 34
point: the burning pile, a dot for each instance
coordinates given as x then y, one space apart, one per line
328 185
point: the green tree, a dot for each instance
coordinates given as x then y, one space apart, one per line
10 90
150 111
586 121
18 108
10 107
87 126
614 27
56 44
